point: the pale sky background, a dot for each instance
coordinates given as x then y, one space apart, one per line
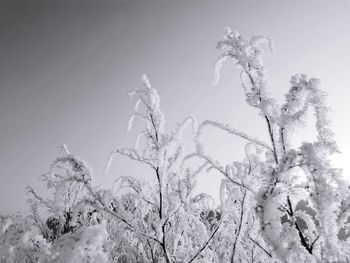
66 68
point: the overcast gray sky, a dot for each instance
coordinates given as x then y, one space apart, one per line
66 68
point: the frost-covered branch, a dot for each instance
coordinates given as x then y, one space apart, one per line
229 130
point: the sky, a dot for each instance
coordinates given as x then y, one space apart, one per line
66 68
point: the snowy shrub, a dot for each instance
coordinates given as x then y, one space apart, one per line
281 203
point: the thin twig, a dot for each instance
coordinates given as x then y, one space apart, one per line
204 245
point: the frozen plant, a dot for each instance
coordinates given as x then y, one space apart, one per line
164 217
281 203
299 199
